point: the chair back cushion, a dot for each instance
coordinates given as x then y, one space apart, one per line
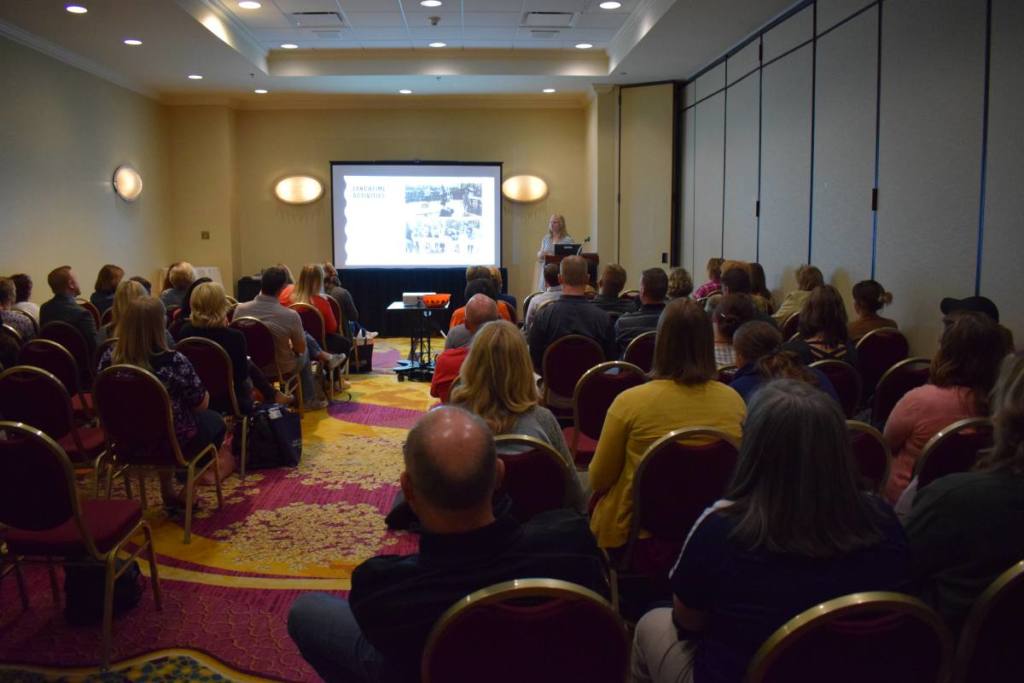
640 351
35 492
71 339
258 341
535 479
37 398
312 321
877 351
596 391
846 381
55 359
566 360
791 326
894 383
135 412
954 449
871 456
990 645
213 366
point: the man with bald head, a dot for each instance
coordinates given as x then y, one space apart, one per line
451 473
571 313
480 309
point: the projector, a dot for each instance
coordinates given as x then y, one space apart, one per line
414 298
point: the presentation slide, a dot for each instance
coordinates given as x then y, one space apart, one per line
418 214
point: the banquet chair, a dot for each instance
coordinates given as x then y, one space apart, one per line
640 351
791 326
71 339
953 449
591 398
894 384
727 373
871 454
345 330
12 333
260 344
107 316
564 362
877 351
57 360
135 413
537 478
846 381
93 311
314 325
989 648
28 316
529 629
43 520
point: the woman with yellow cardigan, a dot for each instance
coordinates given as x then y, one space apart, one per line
683 392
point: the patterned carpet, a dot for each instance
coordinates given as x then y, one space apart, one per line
227 594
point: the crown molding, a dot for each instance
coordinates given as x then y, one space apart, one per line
215 18
299 101
31 40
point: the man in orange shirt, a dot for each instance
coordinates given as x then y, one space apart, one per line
480 286
479 310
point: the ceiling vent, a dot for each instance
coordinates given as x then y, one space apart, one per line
326 34
544 33
328 20
548 20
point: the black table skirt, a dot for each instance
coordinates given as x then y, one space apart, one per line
374 289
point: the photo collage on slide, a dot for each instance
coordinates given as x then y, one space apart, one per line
443 218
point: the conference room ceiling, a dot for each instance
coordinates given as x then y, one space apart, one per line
379 47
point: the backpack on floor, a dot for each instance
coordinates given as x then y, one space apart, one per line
274 440
83 591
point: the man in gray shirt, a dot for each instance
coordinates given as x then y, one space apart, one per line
653 289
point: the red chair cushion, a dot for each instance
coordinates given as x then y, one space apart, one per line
93 443
108 521
585 447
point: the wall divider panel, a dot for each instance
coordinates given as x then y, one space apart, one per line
709 125
687 178
739 228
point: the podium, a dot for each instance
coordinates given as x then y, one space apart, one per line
592 262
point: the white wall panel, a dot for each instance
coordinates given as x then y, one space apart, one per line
739 237
831 12
795 30
688 177
709 136
689 94
930 135
844 152
785 168
744 61
712 81
1004 198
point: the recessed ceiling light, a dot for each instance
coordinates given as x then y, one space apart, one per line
430 3
132 41
260 91
249 4
583 46
195 77
405 91
76 9
438 44
548 90
289 46
611 4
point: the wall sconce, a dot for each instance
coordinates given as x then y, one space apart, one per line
298 189
524 188
127 183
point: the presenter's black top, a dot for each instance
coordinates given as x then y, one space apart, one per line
570 315
397 598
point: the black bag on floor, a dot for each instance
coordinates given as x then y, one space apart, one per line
83 591
275 438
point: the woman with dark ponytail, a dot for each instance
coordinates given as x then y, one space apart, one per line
869 298
757 346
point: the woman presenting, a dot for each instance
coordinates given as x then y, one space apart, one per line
556 234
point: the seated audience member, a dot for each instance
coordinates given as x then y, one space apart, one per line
868 299
683 392
480 309
822 333
759 289
964 529
107 280
962 374
978 304
21 324
179 276
808 278
732 311
127 291
508 299
22 294
714 282
680 284
609 287
142 343
550 293
653 289
209 320
482 285
497 383
770 550
570 313
63 307
736 280
290 340
146 284
757 347
309 290
332 285
185 312
451 473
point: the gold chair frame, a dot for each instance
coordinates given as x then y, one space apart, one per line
833 362
848 605
284 382
946 433
865 428
328 375
35 323
879 332
598 369
87 407
192 468
546 395
634 342
976 619
109 559
506 440
91 307
9 329
527 300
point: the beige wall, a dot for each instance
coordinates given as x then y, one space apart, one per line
549 143
62 133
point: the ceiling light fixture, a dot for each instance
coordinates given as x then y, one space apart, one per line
438 44
611 4
583 46
289 46
195 77
430 3
261 91
134 42
405 91
76 9
548 90
249 4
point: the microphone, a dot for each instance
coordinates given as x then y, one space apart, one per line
580 250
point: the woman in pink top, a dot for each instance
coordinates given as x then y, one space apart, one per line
961 377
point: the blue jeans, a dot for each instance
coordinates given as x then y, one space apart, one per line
329 638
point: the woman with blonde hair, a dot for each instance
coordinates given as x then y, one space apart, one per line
496 382
680 284
179 278
142 342
127 292
556 234
808 278
309 290
107 281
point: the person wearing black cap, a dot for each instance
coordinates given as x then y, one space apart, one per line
976 304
